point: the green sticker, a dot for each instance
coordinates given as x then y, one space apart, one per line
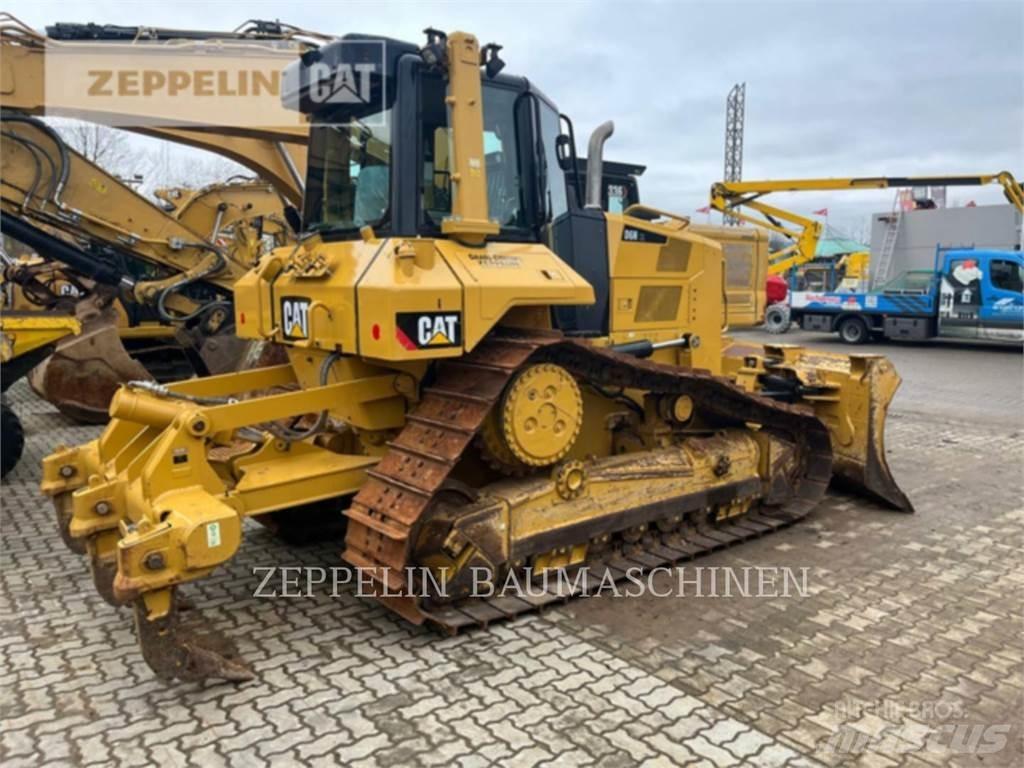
212 535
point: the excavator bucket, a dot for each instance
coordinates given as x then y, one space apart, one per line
851 396
84 371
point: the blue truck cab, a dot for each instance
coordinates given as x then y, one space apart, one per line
970 294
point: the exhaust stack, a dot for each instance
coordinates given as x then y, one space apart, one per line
595 162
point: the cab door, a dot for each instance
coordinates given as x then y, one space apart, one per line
961 294
1002 308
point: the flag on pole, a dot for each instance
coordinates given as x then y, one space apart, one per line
705 209
822 212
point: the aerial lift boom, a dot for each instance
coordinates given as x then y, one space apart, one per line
733 196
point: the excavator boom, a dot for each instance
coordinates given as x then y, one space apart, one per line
275 150
75 213
182 263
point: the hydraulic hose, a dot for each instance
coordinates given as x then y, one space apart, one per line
161 300
294 436
51 247
65 158
35 151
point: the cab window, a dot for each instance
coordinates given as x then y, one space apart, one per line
618 198
501 155
557 201
1007 275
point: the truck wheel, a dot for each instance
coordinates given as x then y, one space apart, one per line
853 330
13 439
776 318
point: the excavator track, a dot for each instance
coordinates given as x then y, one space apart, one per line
384 515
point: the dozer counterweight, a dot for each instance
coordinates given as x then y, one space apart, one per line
483 376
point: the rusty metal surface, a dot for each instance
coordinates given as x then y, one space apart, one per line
85 370
62 513
385 515
185 649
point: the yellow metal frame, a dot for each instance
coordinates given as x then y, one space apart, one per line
469 218
150 490
21 333
732 196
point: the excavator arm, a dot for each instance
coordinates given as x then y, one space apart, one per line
47 185
180 263
215 208
276 153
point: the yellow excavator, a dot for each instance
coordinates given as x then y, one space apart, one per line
743 200
485 379
69 210
157 281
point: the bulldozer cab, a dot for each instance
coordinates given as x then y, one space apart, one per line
386 161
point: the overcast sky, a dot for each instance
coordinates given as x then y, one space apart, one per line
833 88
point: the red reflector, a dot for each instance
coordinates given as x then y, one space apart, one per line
241 318
375 332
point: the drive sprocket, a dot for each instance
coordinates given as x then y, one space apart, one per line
538 419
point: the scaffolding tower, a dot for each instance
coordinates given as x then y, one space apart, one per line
734 109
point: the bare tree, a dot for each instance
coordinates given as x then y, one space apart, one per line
99 144
177 166
146 163
109 148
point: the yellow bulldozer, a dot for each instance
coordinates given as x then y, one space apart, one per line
485 378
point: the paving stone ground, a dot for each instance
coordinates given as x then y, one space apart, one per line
906 649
